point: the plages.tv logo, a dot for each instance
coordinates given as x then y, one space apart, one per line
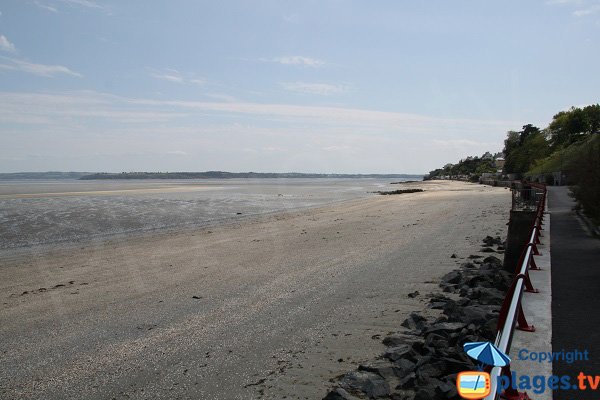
475 385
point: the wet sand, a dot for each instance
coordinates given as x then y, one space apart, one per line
268 307
34 213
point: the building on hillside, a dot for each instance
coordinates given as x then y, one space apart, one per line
499 163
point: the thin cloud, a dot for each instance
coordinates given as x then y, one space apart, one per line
296 60
45 6
344 120
323 89
64 109
291 18
170 75
6 45
48 71
84 3
174 76
587 11
221 96
562 2
336 116
463 143
584 8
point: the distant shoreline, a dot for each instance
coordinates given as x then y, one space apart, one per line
233 175
192 175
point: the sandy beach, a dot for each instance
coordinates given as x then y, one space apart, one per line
271 306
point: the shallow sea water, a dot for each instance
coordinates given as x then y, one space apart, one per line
64 211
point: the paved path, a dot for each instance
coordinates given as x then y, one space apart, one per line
576 292
538 311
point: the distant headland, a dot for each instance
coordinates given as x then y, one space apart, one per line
233 175
16 176
191 175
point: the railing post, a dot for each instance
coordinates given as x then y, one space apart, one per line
511 393
533 266
528 285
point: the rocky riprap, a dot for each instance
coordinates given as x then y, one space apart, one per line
422 361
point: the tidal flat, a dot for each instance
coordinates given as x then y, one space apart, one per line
65 211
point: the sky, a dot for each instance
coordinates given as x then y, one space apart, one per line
328 86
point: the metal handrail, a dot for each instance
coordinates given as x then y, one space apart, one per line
509 314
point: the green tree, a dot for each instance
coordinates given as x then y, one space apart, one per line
523 148
592 118
574 125
512 142
583 169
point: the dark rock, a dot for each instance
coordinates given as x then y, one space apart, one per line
437 305
403 367
339 394
414 294
436 341
369 383
463 302
488 296
396 353
449 288
394 340
489 329
453 256
475 315
487 250
432 370
427 391
439 297
490 241
407 382
452 277
382 368
458 362
405 395
446 390
414 321
418 346
446 328
494 261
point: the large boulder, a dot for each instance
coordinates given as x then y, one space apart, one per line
383 368
398 352
339 394
369 383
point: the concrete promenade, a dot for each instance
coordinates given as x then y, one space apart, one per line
537 309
